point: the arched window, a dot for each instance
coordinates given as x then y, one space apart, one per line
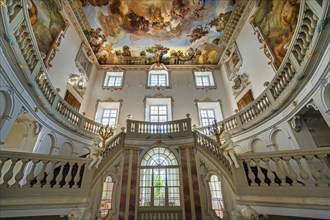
216 195
159 179
106 201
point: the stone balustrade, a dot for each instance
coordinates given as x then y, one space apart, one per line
287 168
27 170
159 215
20 36
212 147
115 142
171 129
31 62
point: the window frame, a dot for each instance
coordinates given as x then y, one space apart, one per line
111 195
104 105
116 74
156 72
209 104
172 170
116 118
210 120
209 194
204 73
158 100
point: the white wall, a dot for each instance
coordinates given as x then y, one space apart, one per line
228 91
254 60
183 93
63 63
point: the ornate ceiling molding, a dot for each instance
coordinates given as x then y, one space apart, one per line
158 66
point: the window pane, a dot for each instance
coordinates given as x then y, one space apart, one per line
145 196
173 196
206 81
199 81
207 116
159 196
109 116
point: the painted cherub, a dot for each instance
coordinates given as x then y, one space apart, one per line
228 149
96 154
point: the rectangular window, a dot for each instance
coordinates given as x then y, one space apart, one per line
208 112
113 79
109 116
107 113
204 79
158 78
158 109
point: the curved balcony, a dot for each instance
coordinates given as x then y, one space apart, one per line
294 72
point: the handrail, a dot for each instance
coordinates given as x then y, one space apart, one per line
303 167
205 142
287 78
170 129
114 143
29 170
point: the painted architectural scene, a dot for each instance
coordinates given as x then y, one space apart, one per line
146 32
48 23
275 22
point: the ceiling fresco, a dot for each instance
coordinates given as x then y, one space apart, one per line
150 31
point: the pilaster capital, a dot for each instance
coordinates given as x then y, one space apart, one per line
131 148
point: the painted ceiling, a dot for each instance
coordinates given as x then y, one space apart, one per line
150 31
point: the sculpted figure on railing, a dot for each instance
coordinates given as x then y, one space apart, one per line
228 149
96 154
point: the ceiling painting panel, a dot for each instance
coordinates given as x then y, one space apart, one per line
150 31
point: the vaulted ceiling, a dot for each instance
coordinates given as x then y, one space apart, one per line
149 31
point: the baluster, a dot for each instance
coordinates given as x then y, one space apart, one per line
9 174
315 173
20 174
270 173
50 173
68 177
59 176
279 172
325 165
1 173
260 174
76 179
30 176
251 174
293 176
302 173
41 176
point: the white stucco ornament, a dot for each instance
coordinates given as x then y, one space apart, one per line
96 154
228 149
75 214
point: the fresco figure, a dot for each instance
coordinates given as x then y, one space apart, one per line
220 21
276 21
184 23
197 33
